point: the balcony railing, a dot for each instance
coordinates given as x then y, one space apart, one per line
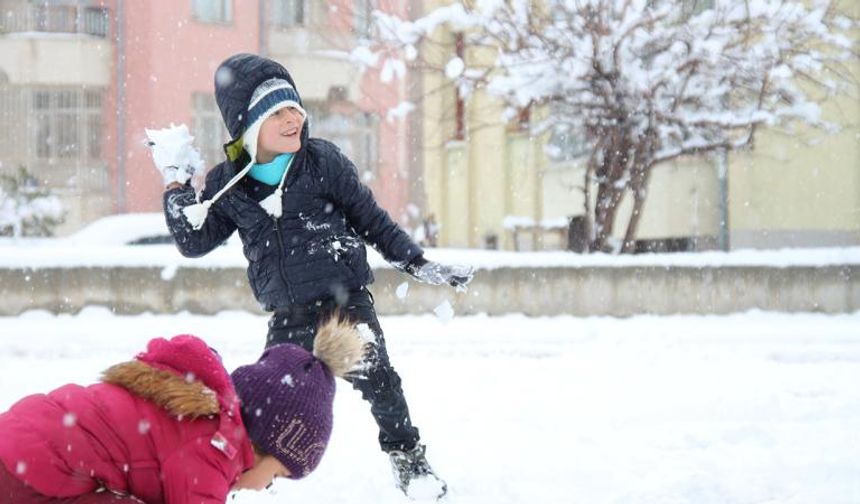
16 16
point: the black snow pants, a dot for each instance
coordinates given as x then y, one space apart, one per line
379 384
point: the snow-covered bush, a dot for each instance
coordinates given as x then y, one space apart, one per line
26 209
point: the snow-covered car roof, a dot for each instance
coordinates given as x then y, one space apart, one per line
125 229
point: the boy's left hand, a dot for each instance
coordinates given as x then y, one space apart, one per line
433 273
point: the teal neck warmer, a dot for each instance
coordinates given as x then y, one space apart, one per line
271 173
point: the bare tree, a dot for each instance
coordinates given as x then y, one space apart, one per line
642 82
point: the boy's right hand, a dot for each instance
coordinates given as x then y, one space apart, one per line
173 153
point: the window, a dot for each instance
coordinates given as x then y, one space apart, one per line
67 123
93 115
353 131
288 13
213 11
209 131
94 20
57 133
56 16
362 17
365 150
565 144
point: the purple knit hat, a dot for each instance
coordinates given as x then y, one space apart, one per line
287 398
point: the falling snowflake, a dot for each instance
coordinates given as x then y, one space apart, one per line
402 290
70 419
444 312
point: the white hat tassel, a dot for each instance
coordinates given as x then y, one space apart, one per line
273 203
196 214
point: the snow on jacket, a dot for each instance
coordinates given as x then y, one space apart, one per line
165 428
316 249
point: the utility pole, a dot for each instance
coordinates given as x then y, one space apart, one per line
120 107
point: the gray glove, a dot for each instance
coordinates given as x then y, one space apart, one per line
433 273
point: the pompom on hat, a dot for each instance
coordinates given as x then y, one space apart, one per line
269 97
287 395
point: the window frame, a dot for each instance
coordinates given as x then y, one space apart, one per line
297 10
223 16
357 134
68 123
208 127
362 14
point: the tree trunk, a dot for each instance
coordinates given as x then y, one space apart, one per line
586 191
605 209
640 193
610 171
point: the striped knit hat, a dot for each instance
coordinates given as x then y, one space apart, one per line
269 97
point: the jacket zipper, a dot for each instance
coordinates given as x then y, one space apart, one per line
283 250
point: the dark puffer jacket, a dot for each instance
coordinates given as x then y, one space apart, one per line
316 249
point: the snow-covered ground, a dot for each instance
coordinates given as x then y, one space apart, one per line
751 408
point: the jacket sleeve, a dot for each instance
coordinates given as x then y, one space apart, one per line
195 242
193 476
371 222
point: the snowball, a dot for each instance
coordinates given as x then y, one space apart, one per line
444 312
402 290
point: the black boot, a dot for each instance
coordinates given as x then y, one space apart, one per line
414 476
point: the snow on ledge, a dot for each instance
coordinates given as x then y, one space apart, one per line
61 253
810 257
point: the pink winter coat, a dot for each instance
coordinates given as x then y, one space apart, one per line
165 428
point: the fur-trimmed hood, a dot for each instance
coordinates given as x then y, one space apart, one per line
182 375
179 396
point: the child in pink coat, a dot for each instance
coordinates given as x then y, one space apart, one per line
171 427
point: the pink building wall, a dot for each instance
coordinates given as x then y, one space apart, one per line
167 56
391 186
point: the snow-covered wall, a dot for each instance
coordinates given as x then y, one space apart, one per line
614 290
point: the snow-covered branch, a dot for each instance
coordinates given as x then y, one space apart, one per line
644 81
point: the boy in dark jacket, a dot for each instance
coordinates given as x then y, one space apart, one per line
304 217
